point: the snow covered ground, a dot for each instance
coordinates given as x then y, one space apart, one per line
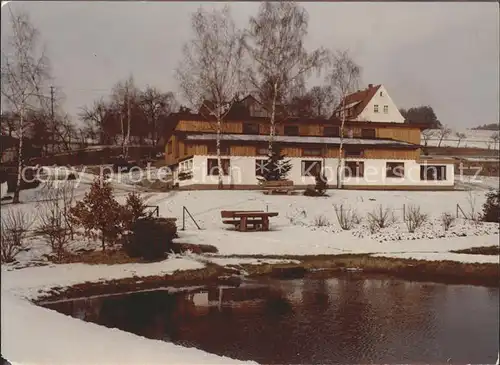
294 232
473 138
36 335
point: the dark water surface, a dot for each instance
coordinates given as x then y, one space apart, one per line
312 321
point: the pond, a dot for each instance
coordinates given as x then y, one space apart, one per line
334 320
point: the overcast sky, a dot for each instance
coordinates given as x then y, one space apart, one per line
442 54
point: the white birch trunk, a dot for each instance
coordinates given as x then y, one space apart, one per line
128 126
17 189
123 133
219 160
340 170
272 129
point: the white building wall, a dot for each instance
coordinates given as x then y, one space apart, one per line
392 116
242 172
375 174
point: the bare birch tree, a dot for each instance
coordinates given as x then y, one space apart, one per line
495 137
460 136
279 61
427 135
25 71
209 74
343 75
443 132
124 93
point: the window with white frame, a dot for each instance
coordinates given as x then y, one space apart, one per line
375 108
311 167
386 109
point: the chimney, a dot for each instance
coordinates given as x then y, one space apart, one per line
370 86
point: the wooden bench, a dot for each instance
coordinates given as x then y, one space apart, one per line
242 219
278 187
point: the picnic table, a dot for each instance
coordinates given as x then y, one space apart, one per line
242 219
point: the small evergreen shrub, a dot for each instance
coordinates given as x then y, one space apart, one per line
99 214
491 208
150 238
321 184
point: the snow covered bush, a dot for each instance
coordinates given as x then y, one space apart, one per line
54 227
414 218
151 238
15 225
347 218
297 216
380 218
447 220
99 214
321 221
491 208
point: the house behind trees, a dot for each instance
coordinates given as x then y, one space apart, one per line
380 150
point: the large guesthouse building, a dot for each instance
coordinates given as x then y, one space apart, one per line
380 150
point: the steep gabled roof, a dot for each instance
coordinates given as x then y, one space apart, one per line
358 100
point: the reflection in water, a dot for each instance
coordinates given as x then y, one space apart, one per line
313 320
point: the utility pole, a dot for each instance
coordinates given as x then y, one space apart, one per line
52 116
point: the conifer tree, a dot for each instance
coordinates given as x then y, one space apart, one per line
276 167
100 215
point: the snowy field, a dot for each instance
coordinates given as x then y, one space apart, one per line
474 139
294 232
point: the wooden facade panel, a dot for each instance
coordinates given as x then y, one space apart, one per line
292 151
169 150
196 149
410 135
392 154
209 126
243 150
310 130
332 152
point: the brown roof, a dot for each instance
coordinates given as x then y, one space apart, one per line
362 97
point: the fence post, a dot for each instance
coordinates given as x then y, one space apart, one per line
183 218
457 210
267 207
404 212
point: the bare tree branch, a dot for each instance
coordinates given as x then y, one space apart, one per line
279 61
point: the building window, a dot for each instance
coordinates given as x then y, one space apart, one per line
311 152
291 130
375 108
260 167
212 149
368 133
353 152
311 168
250 128
381 93
212 166
331 131
433 172
395 169
386 109
169 148
354 168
